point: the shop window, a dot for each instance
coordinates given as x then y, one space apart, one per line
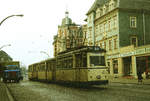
115 66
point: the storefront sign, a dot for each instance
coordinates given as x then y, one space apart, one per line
113 56
127 54
147 50
136 52
140 51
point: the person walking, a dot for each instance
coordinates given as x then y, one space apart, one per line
139 74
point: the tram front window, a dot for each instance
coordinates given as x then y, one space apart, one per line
97 60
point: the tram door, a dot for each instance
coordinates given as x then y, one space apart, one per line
46 71
1 69
77 67
37 66
80 63
53 66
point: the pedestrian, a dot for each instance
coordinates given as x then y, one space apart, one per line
139 74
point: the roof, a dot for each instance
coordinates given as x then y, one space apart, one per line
66 21
96 4
127 4
135 4
83 48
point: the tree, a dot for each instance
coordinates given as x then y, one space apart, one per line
4 56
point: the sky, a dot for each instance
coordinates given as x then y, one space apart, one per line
34 32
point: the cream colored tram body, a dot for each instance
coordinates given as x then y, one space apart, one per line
50 65
33 71
85 65
42 71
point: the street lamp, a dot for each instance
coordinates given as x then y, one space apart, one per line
4 46
45 53
20 15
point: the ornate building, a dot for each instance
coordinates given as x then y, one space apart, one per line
69 35
121 27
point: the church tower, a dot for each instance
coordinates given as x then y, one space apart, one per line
66 20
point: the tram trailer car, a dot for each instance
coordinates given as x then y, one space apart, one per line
11 71
43 70
85 65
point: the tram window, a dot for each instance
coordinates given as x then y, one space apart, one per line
49 67
33 68
97 60
29 69
69 63
85 62
65 64
40 69
59 64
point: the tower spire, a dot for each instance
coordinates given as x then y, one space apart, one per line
66 12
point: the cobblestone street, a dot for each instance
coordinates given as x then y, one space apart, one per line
35 91
3 93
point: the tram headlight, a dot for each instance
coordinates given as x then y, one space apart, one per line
98 77
103 72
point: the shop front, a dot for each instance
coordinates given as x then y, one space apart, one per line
143 60
143 65
127 66
130 61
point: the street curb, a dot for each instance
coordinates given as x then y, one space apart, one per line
129 83
10 97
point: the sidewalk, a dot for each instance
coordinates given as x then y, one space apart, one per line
128 81
3 92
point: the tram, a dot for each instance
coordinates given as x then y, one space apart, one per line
84 65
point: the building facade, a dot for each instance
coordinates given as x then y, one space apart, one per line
69 35
121 27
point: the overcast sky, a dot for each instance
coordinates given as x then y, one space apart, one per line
34 32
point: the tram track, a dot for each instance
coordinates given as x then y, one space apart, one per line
9 93
38 91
